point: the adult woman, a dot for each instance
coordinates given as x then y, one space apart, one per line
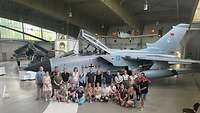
89 92
122 97
125 79
97 92
131 97
75 77
47 87
118 78
98 78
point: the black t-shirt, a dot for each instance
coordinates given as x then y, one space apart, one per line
52 77
90 77
123 93
98 78
143 85
65 76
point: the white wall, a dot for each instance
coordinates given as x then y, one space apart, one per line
124 28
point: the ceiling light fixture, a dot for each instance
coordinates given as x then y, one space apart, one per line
102 26
146 5
70 13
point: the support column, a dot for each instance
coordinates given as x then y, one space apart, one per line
23 31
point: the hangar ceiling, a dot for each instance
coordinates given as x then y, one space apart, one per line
161 10
93 14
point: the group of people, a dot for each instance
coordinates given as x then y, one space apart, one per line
126 88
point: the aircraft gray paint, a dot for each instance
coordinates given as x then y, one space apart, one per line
156 58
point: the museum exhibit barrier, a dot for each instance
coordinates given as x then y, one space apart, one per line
27 75
2 71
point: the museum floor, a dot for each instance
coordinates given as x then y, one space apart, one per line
168 95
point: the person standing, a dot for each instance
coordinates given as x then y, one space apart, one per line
57 82
53 74
47 87
83 79
98 78
65 76
39 82
144 86
90 75
125 79
118 78
75 77
108 78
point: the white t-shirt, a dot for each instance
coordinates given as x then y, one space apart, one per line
118 79
125 77
113 89
105 91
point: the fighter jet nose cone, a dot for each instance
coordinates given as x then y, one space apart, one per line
35 67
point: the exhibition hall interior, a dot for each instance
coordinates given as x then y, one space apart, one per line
99 56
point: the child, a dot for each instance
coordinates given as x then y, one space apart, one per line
89 92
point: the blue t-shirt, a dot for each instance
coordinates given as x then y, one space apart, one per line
39 77
108 79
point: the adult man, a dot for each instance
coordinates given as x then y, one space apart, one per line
108 78
39 82
144 86
65 75
82 78
53 74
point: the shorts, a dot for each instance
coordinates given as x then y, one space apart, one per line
143 96
98 96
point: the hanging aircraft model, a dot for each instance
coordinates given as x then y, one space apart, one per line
155 59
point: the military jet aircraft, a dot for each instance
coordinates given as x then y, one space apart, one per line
156 59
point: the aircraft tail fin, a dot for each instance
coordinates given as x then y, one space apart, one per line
170 41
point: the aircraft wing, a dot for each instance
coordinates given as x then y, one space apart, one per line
170 60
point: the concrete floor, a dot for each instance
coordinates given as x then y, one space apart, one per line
168 95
